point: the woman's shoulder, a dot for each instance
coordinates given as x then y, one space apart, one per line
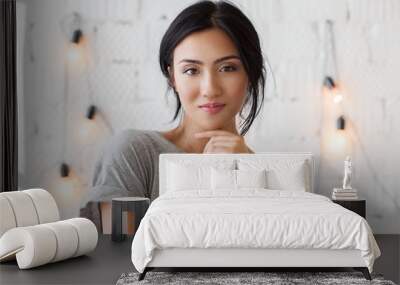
129 137
134 146
131 134
138 141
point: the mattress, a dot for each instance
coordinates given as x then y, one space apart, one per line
254 218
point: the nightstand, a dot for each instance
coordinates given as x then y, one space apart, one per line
357 206
138 205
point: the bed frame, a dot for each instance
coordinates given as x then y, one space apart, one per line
244 259
248 259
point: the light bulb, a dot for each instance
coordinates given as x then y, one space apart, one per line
337 98
64 170
86 131
337 143
74 53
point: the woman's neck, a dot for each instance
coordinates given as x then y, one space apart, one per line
183 136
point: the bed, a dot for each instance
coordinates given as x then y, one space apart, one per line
244 211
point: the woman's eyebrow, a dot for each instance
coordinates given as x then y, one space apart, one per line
215 61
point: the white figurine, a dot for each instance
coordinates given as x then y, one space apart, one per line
347 173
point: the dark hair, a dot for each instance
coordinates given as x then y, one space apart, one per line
227 17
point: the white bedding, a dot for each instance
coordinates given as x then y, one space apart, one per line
250 218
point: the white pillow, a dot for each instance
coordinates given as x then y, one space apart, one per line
223 179
186 176
283 174
237 179
290 178
251 178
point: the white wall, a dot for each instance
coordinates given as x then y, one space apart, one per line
123 79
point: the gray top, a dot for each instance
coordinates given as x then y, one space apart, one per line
127 166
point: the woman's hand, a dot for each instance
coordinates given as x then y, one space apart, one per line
223 142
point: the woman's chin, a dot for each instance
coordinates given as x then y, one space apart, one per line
214 122
213 126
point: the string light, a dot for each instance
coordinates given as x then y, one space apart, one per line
335 141
341 123
75 53
65 183
338 98
88 128
91 112
77 36
64 170
333 89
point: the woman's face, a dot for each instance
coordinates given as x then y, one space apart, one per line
207 69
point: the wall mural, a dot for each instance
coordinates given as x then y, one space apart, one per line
91 70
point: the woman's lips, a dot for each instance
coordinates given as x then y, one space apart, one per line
213 110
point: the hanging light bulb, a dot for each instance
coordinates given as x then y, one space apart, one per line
91 112
64 170
67 191
75 49
334 91
88 128
341 123
338 98
338 143
77 36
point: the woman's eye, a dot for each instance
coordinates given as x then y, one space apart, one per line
228 68
190 71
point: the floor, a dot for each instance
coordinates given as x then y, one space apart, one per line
102 266
389 262
111 259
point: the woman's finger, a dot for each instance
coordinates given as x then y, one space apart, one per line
223 144
219 148
224 138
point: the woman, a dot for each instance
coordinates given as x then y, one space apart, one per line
212 59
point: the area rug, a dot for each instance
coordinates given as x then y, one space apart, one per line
273 278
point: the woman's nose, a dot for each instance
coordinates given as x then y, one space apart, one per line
211 85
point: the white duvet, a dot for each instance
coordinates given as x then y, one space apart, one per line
251 218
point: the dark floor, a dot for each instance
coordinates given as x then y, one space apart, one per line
389 262
102 266
110 260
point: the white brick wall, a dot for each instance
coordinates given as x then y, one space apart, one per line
124 81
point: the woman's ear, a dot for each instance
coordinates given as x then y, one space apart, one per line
171 80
